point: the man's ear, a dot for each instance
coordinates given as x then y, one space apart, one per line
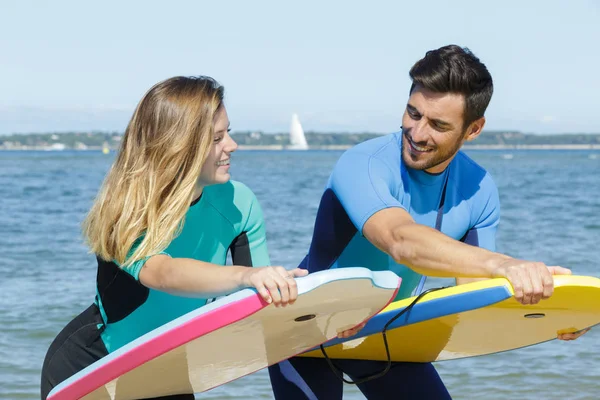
474 129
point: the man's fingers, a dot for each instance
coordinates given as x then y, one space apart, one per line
524 282
352 331
537 285
531 281
567 336
548 285
518 289
555 270
347 333
527 287
573 335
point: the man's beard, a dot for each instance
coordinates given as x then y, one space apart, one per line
428 159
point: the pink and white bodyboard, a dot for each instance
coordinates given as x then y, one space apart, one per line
232 337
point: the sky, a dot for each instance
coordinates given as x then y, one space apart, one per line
342 66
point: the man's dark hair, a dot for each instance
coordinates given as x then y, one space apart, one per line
453 69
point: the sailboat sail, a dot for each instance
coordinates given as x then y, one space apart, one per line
297 138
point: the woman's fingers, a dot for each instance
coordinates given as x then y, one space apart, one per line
273 288
263 292
298 272
277 285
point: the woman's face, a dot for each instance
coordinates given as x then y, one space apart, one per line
216 167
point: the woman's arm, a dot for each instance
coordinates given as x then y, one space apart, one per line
193 278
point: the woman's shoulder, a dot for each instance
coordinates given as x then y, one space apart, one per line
234 193
234 201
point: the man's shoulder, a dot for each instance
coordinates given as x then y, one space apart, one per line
468 163
472 179
377 145
385 149
357 166
469 168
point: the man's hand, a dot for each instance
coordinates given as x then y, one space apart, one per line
531 281
351 332
572 335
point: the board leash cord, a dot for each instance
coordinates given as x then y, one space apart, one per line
338 372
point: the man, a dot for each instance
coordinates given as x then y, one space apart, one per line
413 203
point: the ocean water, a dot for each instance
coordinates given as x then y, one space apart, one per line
550 212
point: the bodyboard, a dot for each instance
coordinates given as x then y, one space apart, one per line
232 337
471 320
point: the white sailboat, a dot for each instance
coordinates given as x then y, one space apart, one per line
297 138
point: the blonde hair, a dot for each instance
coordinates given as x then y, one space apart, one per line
145 195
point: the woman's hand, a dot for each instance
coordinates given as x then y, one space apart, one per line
275 284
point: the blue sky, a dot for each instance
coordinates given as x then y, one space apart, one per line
341 65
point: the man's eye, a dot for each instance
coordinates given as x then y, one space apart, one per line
413 115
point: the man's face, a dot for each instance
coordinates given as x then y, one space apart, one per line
432 129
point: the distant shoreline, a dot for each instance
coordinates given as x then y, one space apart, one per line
344 147
466 147
492 140
533 147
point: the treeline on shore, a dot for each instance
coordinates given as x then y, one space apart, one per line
83 140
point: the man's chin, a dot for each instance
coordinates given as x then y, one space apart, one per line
418 164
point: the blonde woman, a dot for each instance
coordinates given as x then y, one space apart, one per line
161 227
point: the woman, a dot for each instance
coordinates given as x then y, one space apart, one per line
162 225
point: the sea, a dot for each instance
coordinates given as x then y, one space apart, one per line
550 208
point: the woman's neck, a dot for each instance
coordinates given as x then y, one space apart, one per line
197 193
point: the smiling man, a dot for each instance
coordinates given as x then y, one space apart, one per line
413 203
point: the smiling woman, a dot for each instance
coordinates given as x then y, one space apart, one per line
216 167
162 225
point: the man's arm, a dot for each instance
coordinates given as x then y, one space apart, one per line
429 252
370 191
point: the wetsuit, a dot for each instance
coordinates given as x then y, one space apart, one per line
227 217
462 202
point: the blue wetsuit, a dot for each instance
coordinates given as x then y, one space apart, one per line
462 202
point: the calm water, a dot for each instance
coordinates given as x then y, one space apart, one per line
550 210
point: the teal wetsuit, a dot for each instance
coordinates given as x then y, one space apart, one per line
226 218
